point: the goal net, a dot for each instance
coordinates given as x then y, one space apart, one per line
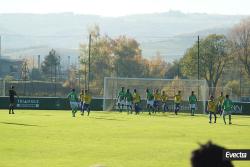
112 86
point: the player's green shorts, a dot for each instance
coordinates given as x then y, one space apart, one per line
229 112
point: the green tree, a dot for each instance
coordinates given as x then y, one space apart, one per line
36 74
213 58
50 65
101 59
158 67
128 59
235 86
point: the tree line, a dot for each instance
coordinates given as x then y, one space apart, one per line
219 59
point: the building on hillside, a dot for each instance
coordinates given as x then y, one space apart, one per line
10 67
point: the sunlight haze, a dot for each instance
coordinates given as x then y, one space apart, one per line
116 8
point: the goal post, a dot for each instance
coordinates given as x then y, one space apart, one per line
112 86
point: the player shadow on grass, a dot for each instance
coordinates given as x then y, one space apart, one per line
172 115
110 119
239 125
12 123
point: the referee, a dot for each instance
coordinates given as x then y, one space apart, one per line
12 94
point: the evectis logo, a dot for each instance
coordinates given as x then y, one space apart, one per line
236 154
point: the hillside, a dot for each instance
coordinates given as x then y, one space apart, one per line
170 33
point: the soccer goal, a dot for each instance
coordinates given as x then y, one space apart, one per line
112 86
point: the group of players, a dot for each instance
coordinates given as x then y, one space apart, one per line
82 101
156 100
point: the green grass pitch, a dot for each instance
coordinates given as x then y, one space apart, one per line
55 139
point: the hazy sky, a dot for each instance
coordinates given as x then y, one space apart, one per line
125 7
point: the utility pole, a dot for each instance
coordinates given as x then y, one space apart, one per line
85 75
59 68
89 59
39 62
79 71
198 65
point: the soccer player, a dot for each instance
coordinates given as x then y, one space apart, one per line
227 109
177 102
192 102
81 97
150 101
164 98
136 100
12 94
157 100
129 101
85 101
72 96
211 108
121 99
220 100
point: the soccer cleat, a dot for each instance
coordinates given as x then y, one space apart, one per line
210 122
230 123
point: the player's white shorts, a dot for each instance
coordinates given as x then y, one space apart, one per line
73 105
129 103
192 106
121 102
150 102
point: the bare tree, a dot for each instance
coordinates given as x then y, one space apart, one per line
240 41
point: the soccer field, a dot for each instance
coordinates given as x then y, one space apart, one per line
55 139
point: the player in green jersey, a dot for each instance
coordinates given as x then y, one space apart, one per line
72 96
192 102
227 109
121 99
150 101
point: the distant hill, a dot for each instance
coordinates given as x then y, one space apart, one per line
169 33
